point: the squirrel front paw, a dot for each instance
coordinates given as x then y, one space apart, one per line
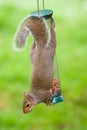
48 102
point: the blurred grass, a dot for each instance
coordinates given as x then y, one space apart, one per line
15 68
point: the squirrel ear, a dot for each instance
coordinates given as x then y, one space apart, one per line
26 93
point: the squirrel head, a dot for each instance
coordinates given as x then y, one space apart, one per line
28 103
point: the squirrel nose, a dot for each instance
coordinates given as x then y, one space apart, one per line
25 110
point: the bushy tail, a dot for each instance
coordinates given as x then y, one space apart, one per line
37 27
21 35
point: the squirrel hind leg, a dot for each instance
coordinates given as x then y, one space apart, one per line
33 46
52 42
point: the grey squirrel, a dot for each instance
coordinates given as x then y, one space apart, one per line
42 55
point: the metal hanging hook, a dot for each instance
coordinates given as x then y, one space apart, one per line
46 13
43 5
38 5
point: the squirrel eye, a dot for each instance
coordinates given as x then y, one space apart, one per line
27 105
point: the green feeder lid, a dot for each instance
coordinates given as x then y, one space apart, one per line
42 13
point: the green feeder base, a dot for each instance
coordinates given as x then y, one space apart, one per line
42 13
56 98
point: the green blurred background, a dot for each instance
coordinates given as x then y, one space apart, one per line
15 67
